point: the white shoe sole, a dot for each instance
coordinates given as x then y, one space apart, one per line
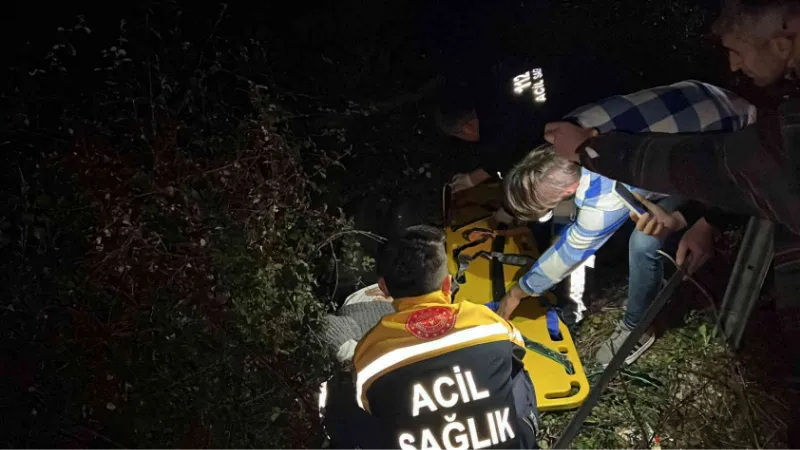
640 351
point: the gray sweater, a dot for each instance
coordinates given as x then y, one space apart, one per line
343 330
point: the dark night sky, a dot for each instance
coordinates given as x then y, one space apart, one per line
461 37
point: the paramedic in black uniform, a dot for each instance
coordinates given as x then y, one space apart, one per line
434 374
504 78
503 108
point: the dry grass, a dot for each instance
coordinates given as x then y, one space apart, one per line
688 390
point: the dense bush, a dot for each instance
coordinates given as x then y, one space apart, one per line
161 248
169 242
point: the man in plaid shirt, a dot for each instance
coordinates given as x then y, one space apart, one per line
542 180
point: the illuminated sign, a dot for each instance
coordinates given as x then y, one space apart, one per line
533 80
448 391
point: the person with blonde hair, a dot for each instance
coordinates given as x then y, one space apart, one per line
539 182
542 179
753 171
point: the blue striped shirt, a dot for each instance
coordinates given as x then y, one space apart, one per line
684 107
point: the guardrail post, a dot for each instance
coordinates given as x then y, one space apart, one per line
747 278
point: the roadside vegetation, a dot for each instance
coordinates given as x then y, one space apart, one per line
183 197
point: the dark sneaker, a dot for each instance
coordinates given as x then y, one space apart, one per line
608 348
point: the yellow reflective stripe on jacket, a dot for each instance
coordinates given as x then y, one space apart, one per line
390 346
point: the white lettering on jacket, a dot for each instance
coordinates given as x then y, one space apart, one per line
460 442
406 439
447 398
446 392
522 82
429 441
473 435
461 435
437 392
503 425
462 387
525 81
473 390
539 92
421 400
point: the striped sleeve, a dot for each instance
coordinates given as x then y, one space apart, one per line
592 228
684 107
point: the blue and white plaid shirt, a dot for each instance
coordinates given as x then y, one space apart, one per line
685 107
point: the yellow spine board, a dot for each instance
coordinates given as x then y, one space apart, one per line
555 389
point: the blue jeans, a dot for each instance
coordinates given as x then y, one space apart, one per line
646 268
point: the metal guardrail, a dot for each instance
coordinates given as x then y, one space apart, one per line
747 278
742 293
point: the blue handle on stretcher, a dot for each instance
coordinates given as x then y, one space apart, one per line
494 306
552 325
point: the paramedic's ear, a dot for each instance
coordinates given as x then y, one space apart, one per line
446 284
470 130
382 286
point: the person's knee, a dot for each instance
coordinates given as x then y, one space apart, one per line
643 246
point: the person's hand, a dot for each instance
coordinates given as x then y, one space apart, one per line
658 222
510 302
378 295
461 182
464 181
567 138
696 246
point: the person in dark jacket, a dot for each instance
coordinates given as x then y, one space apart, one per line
347 425
753 171
504 107
505 77
436 374
543 179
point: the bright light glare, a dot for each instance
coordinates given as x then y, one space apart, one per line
577 286
323 398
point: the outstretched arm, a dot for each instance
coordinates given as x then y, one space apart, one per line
592 228
703 167
748 171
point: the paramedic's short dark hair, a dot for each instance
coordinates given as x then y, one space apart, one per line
456 106
758 20
413 262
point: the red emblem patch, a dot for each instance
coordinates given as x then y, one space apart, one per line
431 323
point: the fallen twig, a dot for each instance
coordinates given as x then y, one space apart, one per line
331 238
